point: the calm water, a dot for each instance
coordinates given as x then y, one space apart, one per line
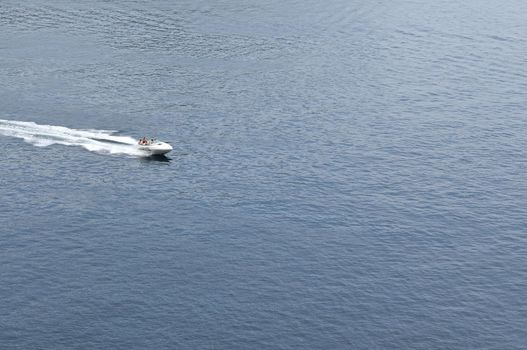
345 175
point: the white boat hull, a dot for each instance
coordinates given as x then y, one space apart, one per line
157 148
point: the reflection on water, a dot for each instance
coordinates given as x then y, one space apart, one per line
155 158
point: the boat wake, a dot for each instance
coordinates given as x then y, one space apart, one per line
99 141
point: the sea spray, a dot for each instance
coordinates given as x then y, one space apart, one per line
99 141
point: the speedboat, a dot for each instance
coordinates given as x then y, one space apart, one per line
153 147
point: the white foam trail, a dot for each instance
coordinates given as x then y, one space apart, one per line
100 141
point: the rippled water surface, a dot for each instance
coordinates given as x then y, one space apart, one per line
345 175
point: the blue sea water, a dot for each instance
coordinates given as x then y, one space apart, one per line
345 175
